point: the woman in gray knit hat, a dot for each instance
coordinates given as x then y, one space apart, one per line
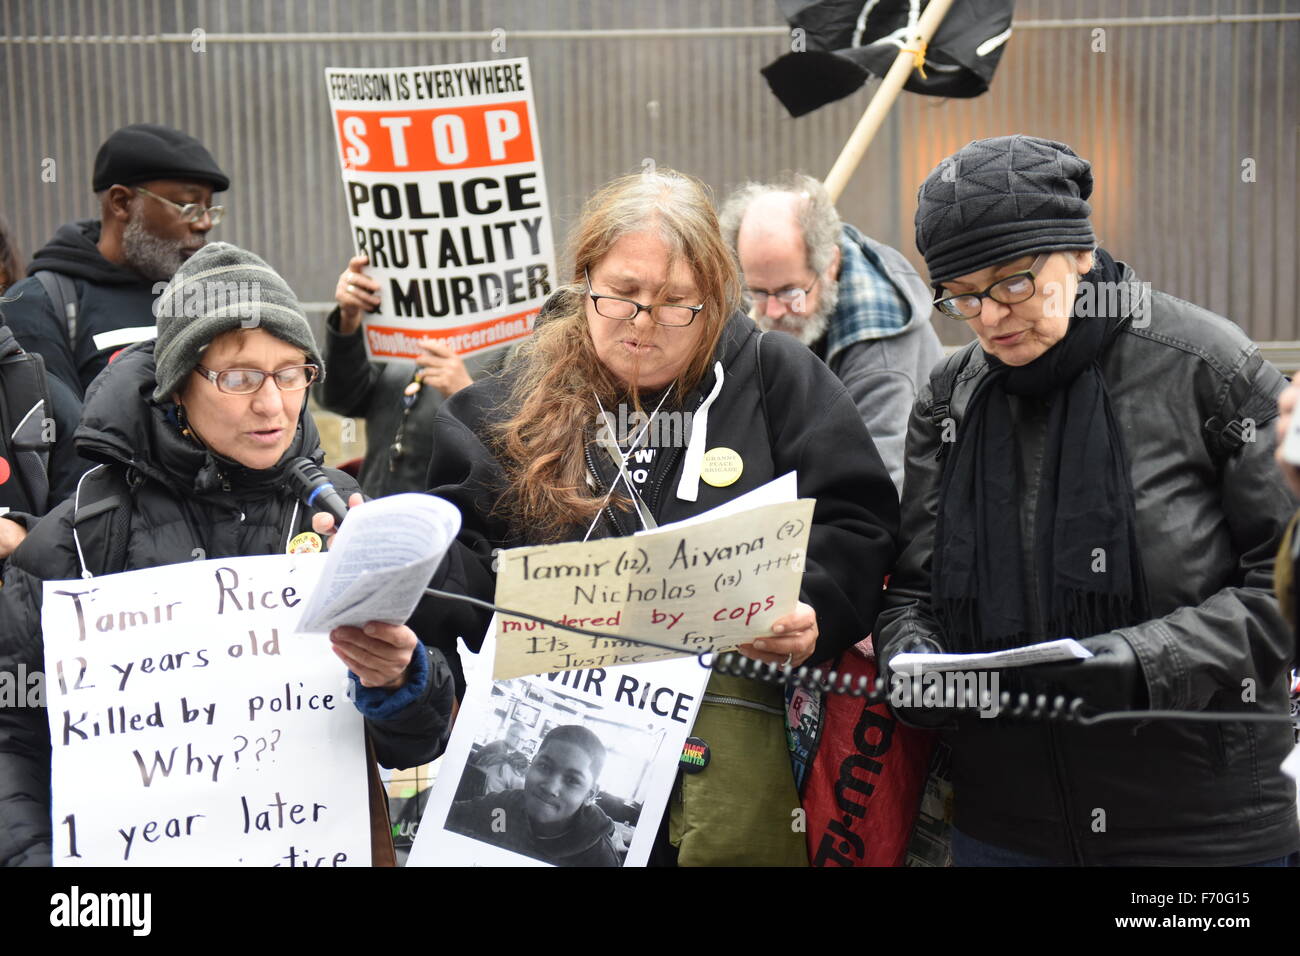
1094 466
195 432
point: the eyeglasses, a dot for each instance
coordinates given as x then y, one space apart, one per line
1009 290
246 381
786 297
191 211
616 307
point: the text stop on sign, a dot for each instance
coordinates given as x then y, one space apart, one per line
422 140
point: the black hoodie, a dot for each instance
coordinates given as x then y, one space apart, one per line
109 297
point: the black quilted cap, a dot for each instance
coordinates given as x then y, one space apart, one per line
998 199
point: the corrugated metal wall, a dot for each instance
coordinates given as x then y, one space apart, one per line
1168 112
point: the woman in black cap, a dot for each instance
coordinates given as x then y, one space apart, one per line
1096 466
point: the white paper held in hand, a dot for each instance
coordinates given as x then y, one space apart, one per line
381 561
1062 649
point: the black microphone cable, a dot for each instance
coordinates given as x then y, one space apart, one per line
1023 705
315 489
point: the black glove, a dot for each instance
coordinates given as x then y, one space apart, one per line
1111 679
905 695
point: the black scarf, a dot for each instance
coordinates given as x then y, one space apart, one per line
1085 502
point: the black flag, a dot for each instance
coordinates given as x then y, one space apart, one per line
846 41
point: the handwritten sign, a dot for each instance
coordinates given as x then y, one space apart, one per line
446 194
190 725
701 588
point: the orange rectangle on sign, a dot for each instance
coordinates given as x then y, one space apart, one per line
417 141
392 342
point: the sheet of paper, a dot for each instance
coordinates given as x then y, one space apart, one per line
1064 649
704 587
380 562
785 488
485 811
190 725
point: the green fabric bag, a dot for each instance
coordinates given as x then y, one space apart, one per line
743 808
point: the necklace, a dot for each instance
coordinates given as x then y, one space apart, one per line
620 459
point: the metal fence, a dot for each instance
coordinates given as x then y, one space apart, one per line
1188 111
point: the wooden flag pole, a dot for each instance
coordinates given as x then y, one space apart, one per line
881 103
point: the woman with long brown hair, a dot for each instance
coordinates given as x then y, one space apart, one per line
649 323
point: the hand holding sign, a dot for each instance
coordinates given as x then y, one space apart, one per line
355 293
441 368
793 642
697 588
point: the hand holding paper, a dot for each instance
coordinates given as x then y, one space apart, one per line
379 654
381 561
703 586
793 640
1065 649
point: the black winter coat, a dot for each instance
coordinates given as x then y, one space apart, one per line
1208 526
183 498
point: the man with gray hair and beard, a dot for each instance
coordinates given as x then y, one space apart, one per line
857 303
90 291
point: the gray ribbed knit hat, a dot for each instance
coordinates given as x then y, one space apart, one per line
998 199
219 288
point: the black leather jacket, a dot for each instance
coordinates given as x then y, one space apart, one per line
1157 792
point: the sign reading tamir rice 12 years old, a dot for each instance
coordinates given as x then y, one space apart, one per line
446 194
190 725
703 588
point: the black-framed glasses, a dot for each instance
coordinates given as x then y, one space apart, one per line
190 211
1009 290
246 381
786 297
625 310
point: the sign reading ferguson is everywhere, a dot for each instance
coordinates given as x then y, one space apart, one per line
442 172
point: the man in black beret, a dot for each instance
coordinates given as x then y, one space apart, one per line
90 291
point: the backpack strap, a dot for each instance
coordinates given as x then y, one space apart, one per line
24 414
1226 430
101 519
943 380
62 294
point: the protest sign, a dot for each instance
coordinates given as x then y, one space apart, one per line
190 725
702 587
565 769
442 171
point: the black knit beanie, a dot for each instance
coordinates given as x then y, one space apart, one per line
998 199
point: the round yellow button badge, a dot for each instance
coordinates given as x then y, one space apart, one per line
308 542
721 467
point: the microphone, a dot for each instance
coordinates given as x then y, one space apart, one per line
310 484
